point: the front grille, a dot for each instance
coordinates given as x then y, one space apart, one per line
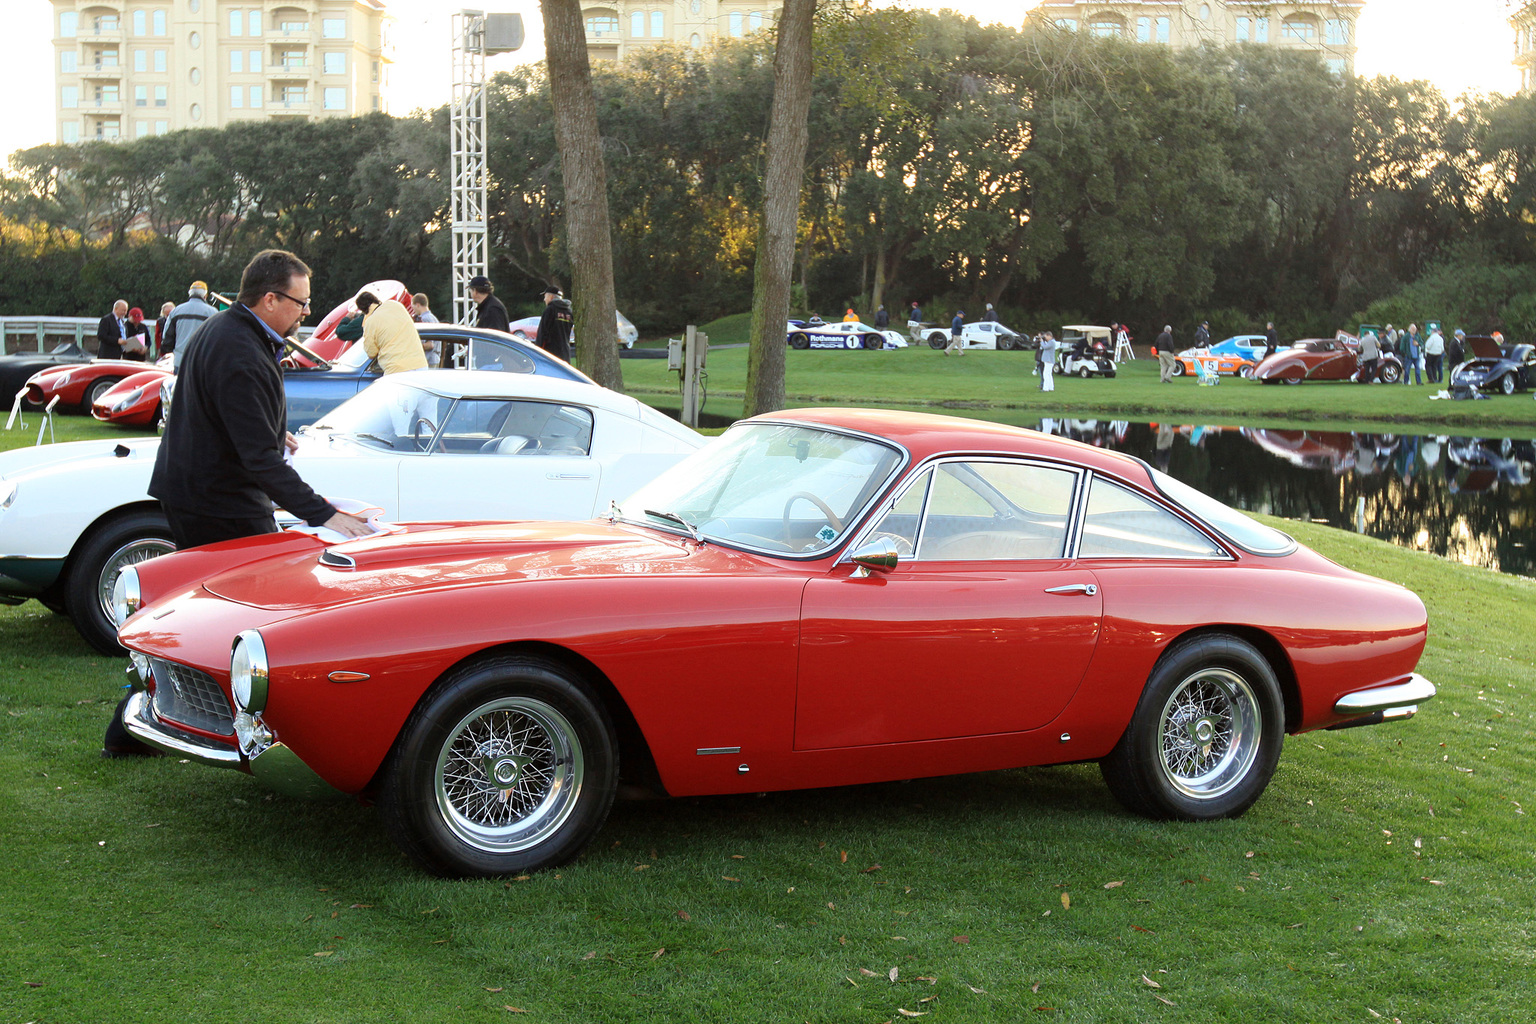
190 696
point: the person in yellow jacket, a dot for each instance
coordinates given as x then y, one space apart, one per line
390 335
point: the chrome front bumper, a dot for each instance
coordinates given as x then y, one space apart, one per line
1394 703
276 767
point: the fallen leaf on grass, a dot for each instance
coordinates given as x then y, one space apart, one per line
1066 902
1434 881
728 878
682 915
1139 928
868 973
591 956
961 939
360 906
33 984
1160 999
657 955
325 952
1150 983
842 856
641 867
737 856
514 1009
498 988
980 991
911 1013
892 975
1113 885
870 870
850 981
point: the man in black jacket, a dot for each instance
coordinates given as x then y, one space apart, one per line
489 312
111 330
554 335
220 466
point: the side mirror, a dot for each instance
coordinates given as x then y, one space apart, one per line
876 556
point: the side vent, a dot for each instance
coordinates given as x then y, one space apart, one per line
336 560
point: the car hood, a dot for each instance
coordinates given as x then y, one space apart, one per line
73 455
467 556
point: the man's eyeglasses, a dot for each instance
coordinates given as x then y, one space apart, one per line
301 303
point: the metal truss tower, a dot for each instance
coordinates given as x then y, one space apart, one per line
468 159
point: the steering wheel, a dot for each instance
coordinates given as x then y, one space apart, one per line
836 523
416 433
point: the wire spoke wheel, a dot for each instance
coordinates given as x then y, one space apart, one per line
1209 733
135 551
509 775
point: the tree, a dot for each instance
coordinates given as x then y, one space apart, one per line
783 172
586 190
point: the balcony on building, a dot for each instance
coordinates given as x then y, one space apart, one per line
603 32
289 64
291 19
292 103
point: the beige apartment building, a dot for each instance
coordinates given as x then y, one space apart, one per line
131 68
1522 18
1327 28
617 28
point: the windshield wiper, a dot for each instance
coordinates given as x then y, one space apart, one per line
673 517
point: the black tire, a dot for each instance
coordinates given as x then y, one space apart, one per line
523 716
1507 383
119 541
1206 735
1178 368
1084 372
799 341
1390 373
872 341
99 387
1004 343
937 340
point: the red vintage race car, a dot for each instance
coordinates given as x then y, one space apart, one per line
133 401
818 598
1324 359
78 386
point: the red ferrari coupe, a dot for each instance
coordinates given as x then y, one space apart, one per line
818 598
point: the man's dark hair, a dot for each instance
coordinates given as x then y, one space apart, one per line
366 301
270 270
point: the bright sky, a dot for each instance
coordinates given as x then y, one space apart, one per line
1460 45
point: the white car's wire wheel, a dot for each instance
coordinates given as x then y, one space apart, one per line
118 542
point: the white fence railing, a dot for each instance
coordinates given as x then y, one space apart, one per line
44 333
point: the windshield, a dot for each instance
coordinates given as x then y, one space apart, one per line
388 414
1229 522
772 487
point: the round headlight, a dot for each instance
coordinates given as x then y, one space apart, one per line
126 598
248 672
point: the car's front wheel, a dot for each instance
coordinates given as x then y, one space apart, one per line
799 341
1389 373
1084 372
1178 368
116 544
509 764
1246 372
98 387
1507 384
1206 735
937 340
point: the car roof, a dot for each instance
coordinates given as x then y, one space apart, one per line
928 434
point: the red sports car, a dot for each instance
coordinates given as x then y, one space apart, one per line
818 598
1324 359
133 401
80 384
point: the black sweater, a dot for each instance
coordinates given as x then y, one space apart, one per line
222 454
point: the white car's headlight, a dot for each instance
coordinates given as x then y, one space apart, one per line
8 490
248 672
126 598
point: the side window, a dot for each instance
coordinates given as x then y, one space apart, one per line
488 355
900 523
996 510
498 426
1123 524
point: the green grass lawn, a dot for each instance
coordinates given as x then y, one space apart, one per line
1387 871
1001 382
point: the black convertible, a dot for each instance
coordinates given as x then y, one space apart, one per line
1491 368
15 369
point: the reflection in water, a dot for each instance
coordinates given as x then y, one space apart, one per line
1467 499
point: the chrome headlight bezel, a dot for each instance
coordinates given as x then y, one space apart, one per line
248 674
126 595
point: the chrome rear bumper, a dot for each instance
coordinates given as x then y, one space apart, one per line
1393 703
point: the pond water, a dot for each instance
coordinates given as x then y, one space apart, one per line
1468 499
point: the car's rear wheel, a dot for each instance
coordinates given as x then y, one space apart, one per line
98 387
1389 373
1507 384
1004 343
108 549
1178 368
509 764
1206 735
937 340
1084 372
872 341
799 341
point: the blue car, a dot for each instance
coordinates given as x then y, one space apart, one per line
1250 346
314 391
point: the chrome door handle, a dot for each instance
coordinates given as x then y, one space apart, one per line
1074 588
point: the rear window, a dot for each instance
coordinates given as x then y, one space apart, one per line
1236 527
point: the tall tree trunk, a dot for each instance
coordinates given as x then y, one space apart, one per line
586 191
788 136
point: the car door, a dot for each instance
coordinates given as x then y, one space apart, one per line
984 626
503 458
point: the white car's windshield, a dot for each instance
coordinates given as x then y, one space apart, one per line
387 414
773 487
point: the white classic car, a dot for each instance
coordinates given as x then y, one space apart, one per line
422 445
528 327
987 334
